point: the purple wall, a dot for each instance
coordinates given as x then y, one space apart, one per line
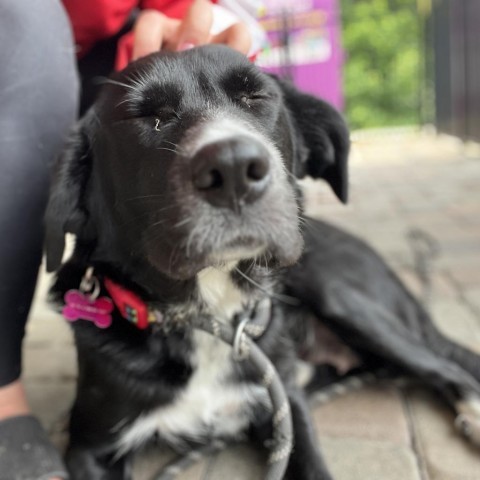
315 61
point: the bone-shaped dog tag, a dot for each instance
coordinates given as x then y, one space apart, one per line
80 306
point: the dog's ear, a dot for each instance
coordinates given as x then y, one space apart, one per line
325 136
66 209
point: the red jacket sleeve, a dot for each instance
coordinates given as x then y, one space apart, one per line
171 8
96 20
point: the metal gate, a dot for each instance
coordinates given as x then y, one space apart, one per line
456 45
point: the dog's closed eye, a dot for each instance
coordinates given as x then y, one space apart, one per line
252 99
158 100
165 114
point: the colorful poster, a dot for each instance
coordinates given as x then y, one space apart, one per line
304 44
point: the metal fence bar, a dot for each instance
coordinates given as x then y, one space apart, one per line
456 43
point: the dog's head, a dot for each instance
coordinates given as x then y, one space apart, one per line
189 159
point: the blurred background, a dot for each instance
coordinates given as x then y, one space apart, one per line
386 62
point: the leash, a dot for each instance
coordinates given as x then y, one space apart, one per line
244 349
86 304
183 463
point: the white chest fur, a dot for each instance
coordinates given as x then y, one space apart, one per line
208 406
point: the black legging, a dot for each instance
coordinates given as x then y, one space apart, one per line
38 104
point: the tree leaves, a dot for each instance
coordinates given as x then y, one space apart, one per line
381 39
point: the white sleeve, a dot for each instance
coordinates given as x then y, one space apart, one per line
228 12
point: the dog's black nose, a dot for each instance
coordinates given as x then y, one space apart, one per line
231 173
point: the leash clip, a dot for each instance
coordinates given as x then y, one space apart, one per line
90 285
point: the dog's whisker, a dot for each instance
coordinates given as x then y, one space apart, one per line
122 102
183 222
175 251
190 240
168 149
104 80
147 197
136 77
264 256
171 143
178 148
278 296
159 222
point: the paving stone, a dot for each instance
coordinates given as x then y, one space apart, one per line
447 456
457 321
373 413
50 400
151 461
467 276
443 286
239 462
472 297
355 459
50 362
49 328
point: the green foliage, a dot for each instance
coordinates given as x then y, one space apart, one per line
381 39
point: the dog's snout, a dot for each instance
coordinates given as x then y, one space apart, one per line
232 172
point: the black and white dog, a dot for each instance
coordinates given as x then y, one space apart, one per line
180 186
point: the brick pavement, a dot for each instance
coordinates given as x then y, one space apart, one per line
399 181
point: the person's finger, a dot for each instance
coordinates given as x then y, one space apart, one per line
148 33
195 27
236 36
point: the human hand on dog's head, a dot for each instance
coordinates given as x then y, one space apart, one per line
155 31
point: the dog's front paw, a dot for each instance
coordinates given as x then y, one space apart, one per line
319 475
84 464
469 426
309 471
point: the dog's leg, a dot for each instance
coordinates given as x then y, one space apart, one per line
91 454
306 462
88 464
369 327
94 428
467 406
376 333
467 359
468 418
